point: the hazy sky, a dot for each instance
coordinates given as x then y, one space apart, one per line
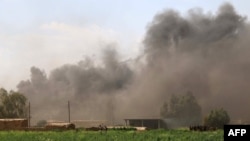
50 33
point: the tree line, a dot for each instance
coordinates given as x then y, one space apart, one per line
186 111
183 108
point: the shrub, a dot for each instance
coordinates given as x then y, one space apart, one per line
217 118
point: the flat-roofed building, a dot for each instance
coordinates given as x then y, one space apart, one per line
89 123
150 123
13 124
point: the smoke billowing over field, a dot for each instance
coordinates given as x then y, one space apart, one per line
207 54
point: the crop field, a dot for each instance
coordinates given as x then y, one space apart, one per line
153 135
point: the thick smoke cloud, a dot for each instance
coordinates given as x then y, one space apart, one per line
207 54
89 88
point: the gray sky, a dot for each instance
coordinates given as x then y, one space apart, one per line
48 34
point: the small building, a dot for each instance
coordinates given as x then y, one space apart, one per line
239 121
13 124
150 123
89 123
63 126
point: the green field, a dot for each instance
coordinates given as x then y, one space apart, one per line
153 135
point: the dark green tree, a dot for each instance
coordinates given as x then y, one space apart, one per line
12 104
3 95
183 108
217 118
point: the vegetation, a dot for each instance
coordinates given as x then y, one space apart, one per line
122 128
12 104
183 108
217 118
153 135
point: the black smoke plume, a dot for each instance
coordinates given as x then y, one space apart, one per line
207 54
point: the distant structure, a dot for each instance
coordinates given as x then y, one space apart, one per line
89 123
13 124
149 123
56 124
239 121
63 126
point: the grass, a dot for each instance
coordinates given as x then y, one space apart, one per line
153 135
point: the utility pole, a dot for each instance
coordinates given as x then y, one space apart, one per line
29 116
69 110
